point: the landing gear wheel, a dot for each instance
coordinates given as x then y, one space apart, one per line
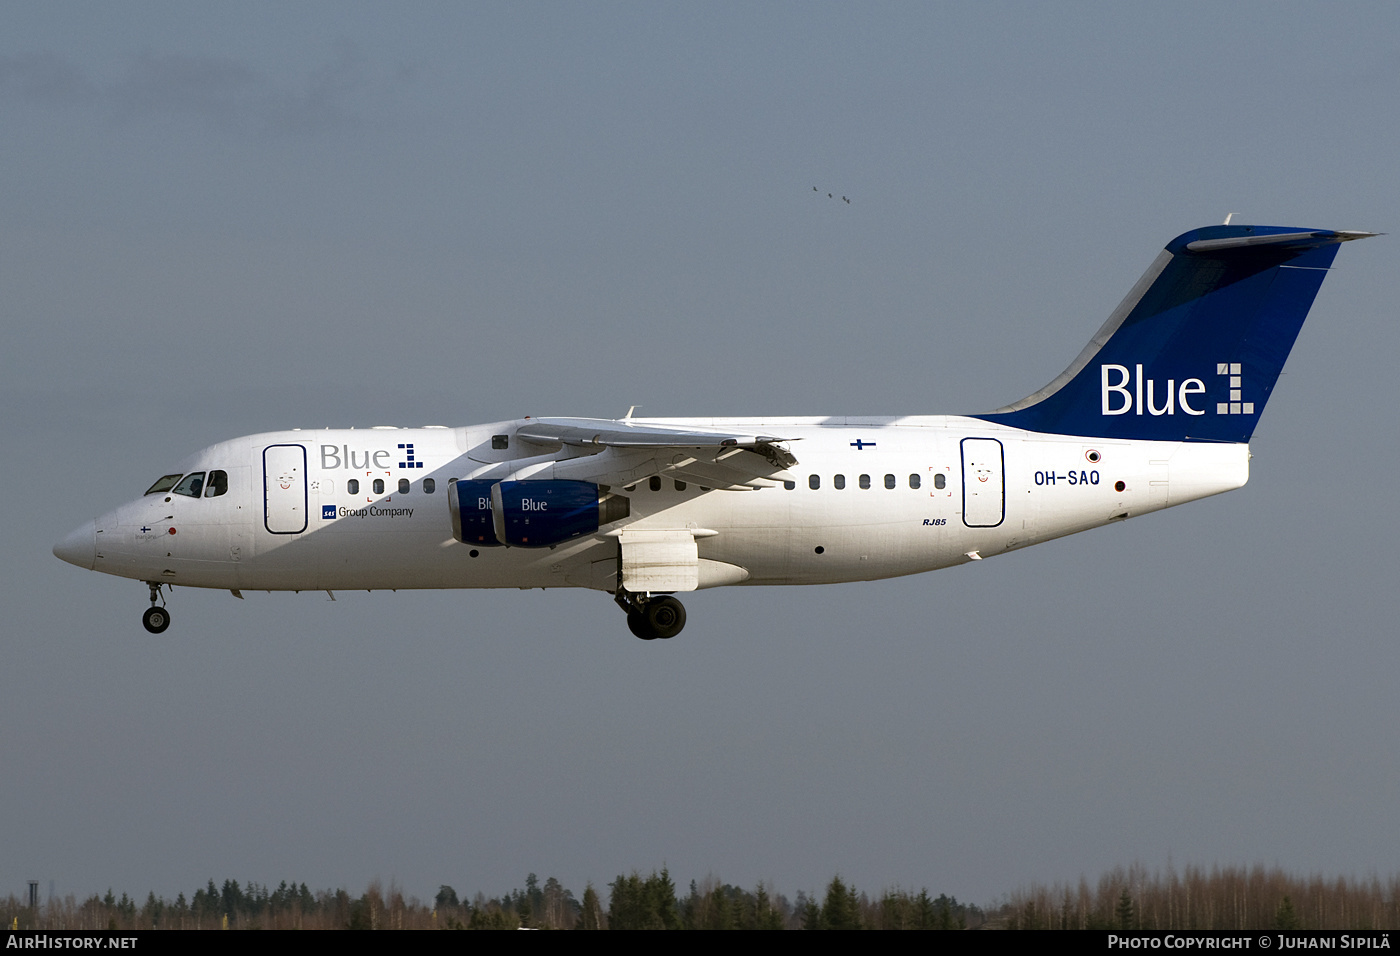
156 619
650 618
665 617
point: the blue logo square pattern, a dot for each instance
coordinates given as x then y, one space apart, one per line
408 454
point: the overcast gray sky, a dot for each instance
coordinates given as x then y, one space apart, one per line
219 220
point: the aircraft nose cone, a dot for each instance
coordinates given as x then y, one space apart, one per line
80 547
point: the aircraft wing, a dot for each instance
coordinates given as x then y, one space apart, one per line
623 452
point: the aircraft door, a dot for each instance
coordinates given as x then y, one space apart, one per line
984 483
284 489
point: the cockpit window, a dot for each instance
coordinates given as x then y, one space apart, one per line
218 484
165 484
192 485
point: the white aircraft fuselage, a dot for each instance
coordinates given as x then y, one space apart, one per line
1156 411
852 526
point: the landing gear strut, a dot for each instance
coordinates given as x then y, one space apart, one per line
652 617
156 619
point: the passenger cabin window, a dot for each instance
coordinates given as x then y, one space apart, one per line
654 482
192 486
165 484
500 442
889 481
680 485
838 482
789 485
217 484
429 486
915 482
403 486
353 486
379 486
865 482
939 482
814 482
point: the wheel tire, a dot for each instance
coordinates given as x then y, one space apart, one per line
665 617
637 624
156 619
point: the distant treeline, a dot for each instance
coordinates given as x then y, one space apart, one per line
634 902
1223 898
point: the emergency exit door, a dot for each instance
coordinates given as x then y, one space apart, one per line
284 489
984 483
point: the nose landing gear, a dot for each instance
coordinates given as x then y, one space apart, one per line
156 619
652 617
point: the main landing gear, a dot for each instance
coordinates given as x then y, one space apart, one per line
652 617
156 619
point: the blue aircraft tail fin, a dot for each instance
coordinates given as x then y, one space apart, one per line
1193 352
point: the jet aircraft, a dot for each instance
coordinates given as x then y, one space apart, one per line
1157 410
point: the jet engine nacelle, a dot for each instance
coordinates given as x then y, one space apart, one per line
471 512
530 514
